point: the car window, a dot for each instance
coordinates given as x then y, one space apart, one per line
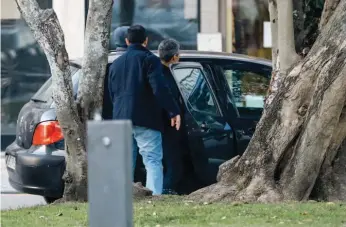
195 90
45 92
248 83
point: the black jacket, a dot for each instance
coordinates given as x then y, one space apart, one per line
138 89
175 93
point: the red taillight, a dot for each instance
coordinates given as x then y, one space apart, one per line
47 133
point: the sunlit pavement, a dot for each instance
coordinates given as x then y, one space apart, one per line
10 198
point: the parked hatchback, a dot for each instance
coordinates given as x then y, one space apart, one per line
223 95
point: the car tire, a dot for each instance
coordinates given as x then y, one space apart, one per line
50 200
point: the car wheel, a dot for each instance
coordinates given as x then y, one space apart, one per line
50 200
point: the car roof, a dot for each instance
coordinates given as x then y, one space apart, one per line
197 54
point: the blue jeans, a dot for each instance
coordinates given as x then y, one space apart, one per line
149 143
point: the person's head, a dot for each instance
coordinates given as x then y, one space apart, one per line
119 35
136 34
169 51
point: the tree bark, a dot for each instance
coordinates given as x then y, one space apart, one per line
328 10
298 133
90 94
287 52
274 81
73 115
47 31
283 51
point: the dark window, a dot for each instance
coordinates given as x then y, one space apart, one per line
161 18
196 92
24 67
44 94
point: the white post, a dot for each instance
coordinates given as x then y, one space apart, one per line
110 173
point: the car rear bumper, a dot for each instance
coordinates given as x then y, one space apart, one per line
37 172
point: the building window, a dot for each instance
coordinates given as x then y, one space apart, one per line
162 19
249 17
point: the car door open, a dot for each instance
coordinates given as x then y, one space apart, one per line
210 138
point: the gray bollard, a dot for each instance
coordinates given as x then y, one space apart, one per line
109 150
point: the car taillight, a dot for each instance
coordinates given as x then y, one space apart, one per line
48 132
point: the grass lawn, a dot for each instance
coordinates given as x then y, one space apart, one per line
175 211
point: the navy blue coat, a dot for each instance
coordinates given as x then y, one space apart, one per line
138 89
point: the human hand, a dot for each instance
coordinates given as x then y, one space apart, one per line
176 121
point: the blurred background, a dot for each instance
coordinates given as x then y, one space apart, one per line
240 26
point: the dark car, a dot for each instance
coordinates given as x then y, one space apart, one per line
223 96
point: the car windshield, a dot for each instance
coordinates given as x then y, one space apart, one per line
45 92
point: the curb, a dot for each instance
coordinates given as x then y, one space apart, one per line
11 193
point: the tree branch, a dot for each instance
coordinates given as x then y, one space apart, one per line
273 15
90 92
287 53
274 81
46 29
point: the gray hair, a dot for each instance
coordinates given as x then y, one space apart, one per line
168 48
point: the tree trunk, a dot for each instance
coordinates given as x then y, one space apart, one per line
286 44
298 134
73 115
274 81
283 51
328 10
47 31
90 94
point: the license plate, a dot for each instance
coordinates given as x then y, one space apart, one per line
11 162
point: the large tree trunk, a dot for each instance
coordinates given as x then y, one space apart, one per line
283 51
47 31
90 94
299 134
73 115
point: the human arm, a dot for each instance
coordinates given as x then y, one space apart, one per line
161 90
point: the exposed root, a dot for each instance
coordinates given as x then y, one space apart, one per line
139 191
214 193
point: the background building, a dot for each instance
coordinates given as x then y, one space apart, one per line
235 24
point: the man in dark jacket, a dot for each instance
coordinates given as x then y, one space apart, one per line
172 139
138 92
117 43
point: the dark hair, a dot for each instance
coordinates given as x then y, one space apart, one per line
136 34
167 49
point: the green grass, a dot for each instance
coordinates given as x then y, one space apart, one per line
175 211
